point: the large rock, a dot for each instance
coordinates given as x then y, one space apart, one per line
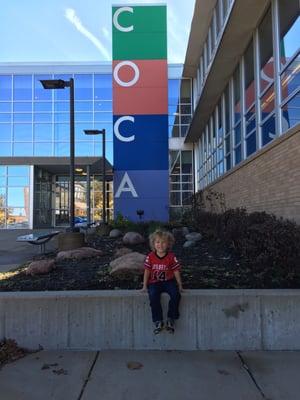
130 264
121 252
193 236
115 233
189 243
133 238
78 254
40 267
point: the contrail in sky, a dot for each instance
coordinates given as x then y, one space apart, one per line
70 14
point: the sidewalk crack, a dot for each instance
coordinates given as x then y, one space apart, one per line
245 366
89 374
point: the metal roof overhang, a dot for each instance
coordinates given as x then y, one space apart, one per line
59 165
244 18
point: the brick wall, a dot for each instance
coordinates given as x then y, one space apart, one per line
268 181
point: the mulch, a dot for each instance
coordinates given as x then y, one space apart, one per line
208 265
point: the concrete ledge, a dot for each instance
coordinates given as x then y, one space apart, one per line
121 319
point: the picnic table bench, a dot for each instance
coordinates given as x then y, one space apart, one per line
38 238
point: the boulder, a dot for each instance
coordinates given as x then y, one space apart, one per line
40 267
193 236
189 243
121 252
185 230
132 238
78 254
130 264
115 233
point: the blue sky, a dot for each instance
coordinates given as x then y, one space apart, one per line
77 30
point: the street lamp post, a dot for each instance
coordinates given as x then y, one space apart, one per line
61 84
101 132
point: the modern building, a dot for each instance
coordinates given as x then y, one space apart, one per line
35 143
244 59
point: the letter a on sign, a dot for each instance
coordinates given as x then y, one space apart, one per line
126 186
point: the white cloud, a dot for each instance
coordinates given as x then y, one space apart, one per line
71 16
106 33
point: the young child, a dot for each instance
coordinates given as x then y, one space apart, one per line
162 274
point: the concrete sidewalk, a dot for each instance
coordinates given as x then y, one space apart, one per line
13 253
159 375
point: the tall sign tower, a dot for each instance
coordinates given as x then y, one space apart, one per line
140 112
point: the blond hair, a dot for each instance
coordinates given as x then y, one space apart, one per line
163 235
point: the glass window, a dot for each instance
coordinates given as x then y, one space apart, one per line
5 87
266 51
5 149
22 132
290 78
291 112
5 106
17 218
22 149
268 130
289 22
61 149
20 117
43 149
18 181
81 117
173 90
103 86
84 149
61 132
238 154
39 92
5 132
2 170
237 95
61 117
218 18
227 110
103 105
42 106
42 132
103 116
237 134
42 117
22 107
249 76
23 87
62 106
267 103
17 170
251 144
220 122
83 106
5 117
83 84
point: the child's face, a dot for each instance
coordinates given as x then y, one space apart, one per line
161 245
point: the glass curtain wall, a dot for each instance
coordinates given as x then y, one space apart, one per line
14 196
248 104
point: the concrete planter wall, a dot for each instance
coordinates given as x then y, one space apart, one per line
95 320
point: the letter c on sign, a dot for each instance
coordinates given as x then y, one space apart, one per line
116 129
136 73
116 16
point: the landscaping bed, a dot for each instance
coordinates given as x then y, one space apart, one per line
213 262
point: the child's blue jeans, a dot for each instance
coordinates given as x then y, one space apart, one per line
155 290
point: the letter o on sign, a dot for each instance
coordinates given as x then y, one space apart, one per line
116 22
136 73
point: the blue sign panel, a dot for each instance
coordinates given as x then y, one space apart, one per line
142 190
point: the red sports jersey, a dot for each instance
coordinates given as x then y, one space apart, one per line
162 268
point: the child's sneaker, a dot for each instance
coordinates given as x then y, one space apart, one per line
159 326
170 325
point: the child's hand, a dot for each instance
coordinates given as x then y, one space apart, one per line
181 289
144 289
